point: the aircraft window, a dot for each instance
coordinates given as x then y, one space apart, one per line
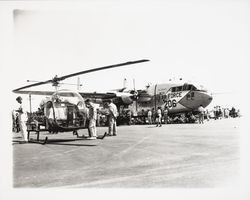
193 88
185 87
178 88
61 113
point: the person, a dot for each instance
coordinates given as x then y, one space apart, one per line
22 118
215 112
92 116
238 113
191 118
207 114
165 113
219 113
112 115
201 114
149 117
158 116
98 118
153 115
226 113
233 114
129 116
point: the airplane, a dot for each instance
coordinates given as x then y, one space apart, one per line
176 97
65 111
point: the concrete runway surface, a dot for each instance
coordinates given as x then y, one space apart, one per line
140 156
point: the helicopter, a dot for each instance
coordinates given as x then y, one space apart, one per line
65 110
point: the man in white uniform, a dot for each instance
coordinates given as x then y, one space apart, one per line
22 118
149 117
113 114
159 116
92 119
201 114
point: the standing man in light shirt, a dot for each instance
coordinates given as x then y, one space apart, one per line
113 114
22 118
149 116
201 114
159 117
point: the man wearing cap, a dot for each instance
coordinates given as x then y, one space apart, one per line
22 118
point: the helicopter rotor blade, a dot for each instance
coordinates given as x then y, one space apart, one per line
32 85
56 79
101 68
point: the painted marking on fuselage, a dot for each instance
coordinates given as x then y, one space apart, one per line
173 98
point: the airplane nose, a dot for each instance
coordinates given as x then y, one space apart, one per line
204 98
210 98
195 99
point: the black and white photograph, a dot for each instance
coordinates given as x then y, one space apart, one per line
107 99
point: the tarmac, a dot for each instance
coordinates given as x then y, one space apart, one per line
140 156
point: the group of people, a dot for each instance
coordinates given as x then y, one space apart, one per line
218 112
157 116
20 118
111 112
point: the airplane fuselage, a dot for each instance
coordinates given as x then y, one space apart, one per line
177 98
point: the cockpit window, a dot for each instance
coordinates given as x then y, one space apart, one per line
185 87
193 88
178 88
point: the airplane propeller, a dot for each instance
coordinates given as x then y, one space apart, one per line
135 95
55 80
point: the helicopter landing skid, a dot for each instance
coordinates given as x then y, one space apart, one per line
39 141
103 136
98 137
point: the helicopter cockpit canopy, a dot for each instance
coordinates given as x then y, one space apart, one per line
66 109
68 96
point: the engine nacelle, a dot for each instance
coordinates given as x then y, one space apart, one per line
126 99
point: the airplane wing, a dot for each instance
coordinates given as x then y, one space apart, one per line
94 95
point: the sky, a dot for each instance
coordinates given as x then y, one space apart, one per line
206 42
